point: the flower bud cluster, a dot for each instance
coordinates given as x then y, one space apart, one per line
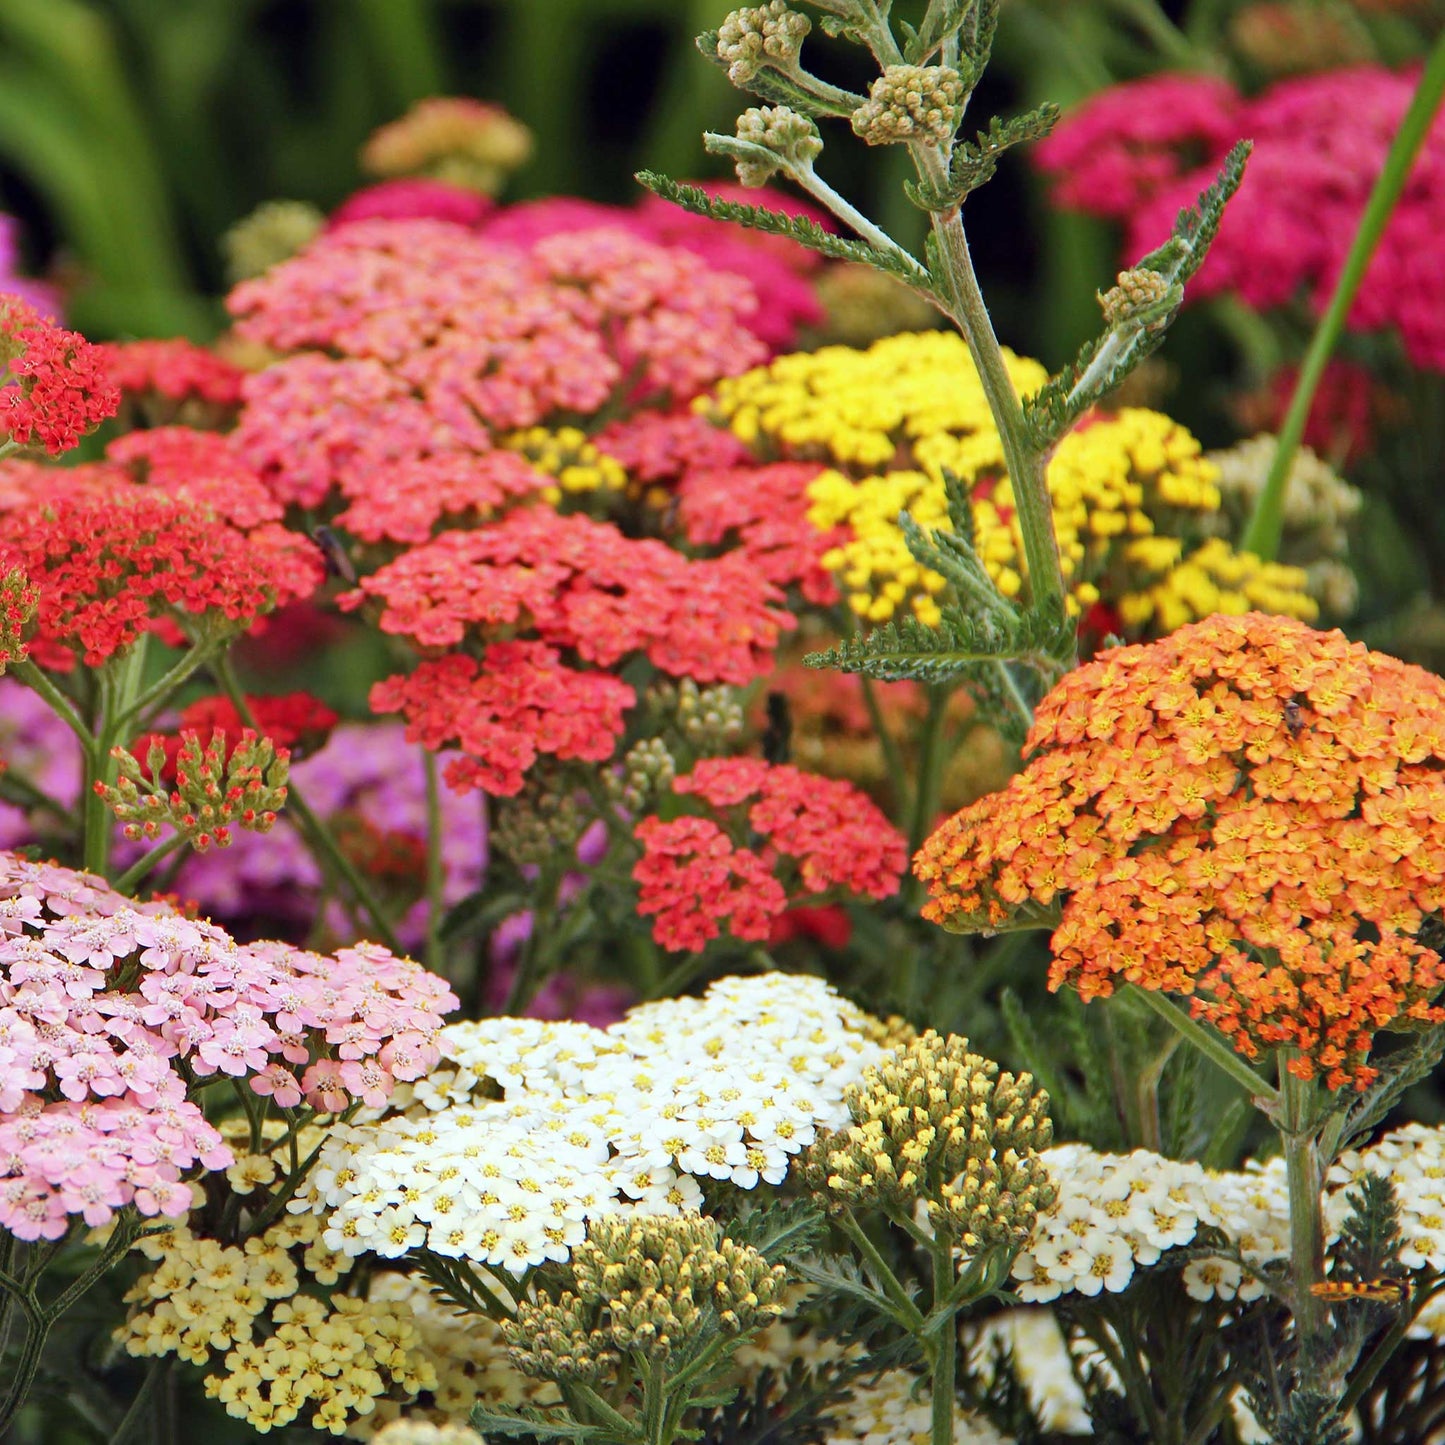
710 719
649 1285
546 818
938 1126
761 37
647 772
274 232
214 791
1137 292
19 599
451 138
792 138
1319 509
911 102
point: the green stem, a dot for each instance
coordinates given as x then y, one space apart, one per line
529 965
156 1371
943 1350
963 301
1304 1172
1266 525
318 835
160 690
908 1312
127 881
435 870
1146 1097
25 794
1168 39
930 769
59 704
1214 1048
849 214
892 758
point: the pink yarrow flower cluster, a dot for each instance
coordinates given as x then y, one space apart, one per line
1139 152
113 1015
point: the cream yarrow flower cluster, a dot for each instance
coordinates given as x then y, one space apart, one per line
897 1409
644 1287
937 1127
791 138
591 1123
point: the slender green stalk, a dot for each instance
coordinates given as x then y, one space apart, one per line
1167 38
1304 1170
943 1350
317 833
534 952
892 758
159 692
156 1371
1214 1048
908 1313
132 876
435 871
1266 524
59 704
930 769
21 791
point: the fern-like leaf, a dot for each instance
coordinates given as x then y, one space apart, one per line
1398 1071
976 161
795 228
1104 362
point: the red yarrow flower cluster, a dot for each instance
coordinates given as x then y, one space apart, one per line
1247 813
172 371
763 512
200 467
658 446
583 585
518 702
56 384
819 834
1141 151
109 570
114 1017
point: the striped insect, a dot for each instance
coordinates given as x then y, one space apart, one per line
1381 1291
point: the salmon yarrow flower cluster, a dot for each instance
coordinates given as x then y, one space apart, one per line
1132 492
114 1015
1248 813
525 1131
784 833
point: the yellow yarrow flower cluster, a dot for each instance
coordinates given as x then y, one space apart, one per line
275 1352
567 454
1132 492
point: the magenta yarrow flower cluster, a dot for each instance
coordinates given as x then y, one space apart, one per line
114 1014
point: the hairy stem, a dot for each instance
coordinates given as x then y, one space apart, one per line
1305 1174
943 1349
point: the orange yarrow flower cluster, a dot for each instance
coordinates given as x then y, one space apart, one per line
1248 813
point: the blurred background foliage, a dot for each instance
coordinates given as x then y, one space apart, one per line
133 133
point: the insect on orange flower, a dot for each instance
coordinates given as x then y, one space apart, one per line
1382 1291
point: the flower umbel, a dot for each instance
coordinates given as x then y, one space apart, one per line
1248 813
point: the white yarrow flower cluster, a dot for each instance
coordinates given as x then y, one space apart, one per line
590 1122
897 1409
1119 1212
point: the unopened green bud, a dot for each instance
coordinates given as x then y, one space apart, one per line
791 139
911 102
274 232
760 37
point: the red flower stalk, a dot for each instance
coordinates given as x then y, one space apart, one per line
518 702
1247 813
583 585
58 387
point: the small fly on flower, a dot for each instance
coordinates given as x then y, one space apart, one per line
1293 718
334 554
1382 1291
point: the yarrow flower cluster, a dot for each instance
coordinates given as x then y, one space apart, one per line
1248 813
1140 151
109 570
54 385
109 1010
814 835
591 1123
456 337
173 381
453 138
275 1352
1133 495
